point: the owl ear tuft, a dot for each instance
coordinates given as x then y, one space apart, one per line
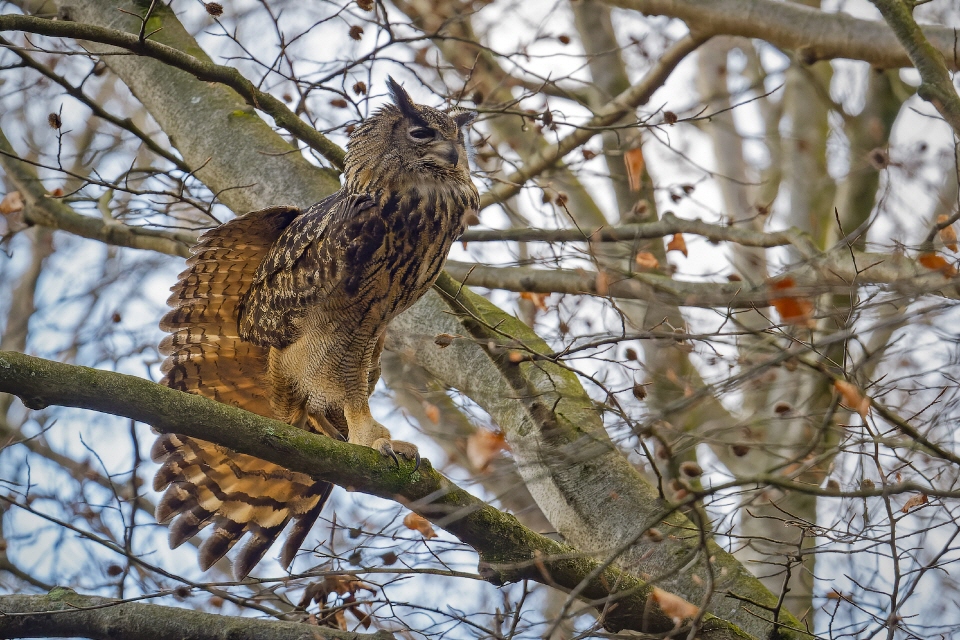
464 117
402 99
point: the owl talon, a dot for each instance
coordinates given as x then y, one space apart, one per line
397 448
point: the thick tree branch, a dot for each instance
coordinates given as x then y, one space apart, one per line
201 69
936 86
508 551
63 613
814 34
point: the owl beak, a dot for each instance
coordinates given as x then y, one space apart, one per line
446 153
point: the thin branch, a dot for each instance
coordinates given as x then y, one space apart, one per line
39 208
77 93
201 69
834 272
619 107
668 225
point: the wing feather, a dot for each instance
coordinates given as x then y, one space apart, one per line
311 260
207 485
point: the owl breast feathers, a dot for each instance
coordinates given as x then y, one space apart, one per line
282 312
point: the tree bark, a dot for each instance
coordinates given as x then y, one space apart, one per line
63 613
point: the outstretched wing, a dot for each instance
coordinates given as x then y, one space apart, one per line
324 250
206 483
205 353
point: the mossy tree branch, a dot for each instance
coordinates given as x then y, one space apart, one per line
63 613
508 551
936 86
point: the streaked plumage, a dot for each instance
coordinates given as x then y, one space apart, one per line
282 312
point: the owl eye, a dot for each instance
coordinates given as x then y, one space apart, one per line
422 133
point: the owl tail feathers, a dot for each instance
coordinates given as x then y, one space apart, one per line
207 484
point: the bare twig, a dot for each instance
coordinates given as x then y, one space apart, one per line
201 69
41 209
619 107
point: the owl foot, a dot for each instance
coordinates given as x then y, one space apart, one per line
395 448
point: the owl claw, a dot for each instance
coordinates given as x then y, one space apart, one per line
397 448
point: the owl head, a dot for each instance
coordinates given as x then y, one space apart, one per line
405 144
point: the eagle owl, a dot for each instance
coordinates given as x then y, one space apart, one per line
282 312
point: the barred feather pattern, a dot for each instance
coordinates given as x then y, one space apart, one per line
206 484
282 312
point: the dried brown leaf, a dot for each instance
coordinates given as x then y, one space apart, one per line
691 469
11 203
852 397
792 309
674 606
11 217
639 391
633 159
936 262
948 235
432 412
646 260
444 340
602 283
539 300
740 450
677 243
419 523
915 501
485 446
